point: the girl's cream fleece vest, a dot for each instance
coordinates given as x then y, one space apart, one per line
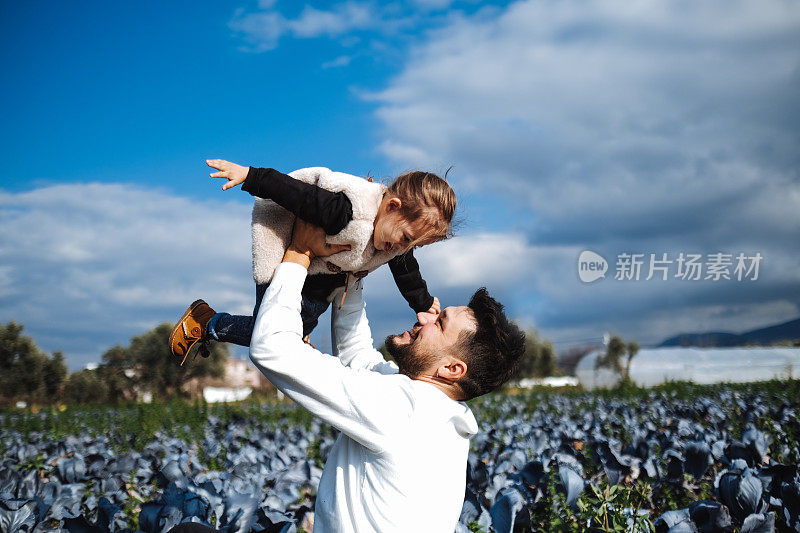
272 227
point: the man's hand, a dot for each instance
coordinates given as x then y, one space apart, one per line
235 174
436 308
308 242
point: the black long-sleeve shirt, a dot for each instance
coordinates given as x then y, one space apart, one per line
332 212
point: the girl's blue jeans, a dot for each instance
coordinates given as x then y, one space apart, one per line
238 329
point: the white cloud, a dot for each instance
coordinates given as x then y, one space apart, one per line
540 287
496 258
573 99
262 29
432 4
341 61
6 282
89 266
383 30
617 126
85 267
339 20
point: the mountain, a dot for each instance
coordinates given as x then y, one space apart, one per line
787 331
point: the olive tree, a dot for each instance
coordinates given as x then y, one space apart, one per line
539 359
147 365
618 357
27 372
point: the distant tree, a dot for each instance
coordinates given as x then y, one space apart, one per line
27 372
777 344
147 365
618 357
612 359
383 350
539 359
631 350
86 386
118 373
55 375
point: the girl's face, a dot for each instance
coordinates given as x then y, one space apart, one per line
391 230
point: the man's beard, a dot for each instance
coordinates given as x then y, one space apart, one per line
411 361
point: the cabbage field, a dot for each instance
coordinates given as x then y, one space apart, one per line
677 458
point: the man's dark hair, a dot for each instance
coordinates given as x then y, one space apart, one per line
493 351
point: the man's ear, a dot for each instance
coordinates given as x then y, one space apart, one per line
394 204
453 370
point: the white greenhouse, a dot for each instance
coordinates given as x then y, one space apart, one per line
652 366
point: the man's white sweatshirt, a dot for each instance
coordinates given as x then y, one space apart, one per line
399 463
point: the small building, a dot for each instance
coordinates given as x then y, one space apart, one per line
239 374
550 381
653 366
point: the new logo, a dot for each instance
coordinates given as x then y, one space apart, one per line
591 266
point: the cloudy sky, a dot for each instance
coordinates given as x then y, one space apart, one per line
620 127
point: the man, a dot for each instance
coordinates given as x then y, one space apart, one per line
399 463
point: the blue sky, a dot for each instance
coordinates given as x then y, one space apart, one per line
608 126
134 93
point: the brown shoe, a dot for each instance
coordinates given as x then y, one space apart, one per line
191 328
308 341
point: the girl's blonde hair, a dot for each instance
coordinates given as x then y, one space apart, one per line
425 195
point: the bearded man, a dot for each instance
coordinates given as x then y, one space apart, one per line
399 463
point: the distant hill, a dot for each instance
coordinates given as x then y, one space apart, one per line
787 331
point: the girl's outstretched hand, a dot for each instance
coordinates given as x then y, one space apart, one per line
235 174
436 308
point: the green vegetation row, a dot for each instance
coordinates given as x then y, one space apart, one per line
184 418
138 423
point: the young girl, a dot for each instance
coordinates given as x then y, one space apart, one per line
379 224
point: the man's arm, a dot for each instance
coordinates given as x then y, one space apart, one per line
363 405
352 337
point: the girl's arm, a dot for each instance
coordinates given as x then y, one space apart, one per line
331 211
405 270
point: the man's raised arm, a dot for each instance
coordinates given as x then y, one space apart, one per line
363 405
352 337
